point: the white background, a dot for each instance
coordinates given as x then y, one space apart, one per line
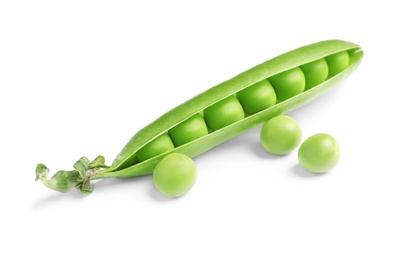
79 78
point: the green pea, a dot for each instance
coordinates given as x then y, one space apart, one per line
158 146
337 62
315 72
257 97
223 113
280 135
175 175
319 153
189 130
288 84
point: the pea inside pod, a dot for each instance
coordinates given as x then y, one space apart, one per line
315 73
257 97
222 112
189 130
288 84
337 62
158 146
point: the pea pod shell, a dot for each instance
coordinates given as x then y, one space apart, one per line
120 166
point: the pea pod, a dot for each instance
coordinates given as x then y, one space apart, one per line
126 164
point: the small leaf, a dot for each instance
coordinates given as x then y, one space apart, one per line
82 166
98 162
86 187
60 182
41 169
73 177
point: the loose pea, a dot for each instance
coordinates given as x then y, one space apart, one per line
189 130
257 97
315 72
158 146
337 62
175 175
288 83
223 113
319 153
280 135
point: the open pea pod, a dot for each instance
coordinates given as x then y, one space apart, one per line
127 164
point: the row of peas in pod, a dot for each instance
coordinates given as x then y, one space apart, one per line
248 101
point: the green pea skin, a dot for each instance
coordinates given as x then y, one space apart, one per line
288 83
280 135
257 97
319 153
337 62
175 175
315 72
158 146
223 113
189 130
